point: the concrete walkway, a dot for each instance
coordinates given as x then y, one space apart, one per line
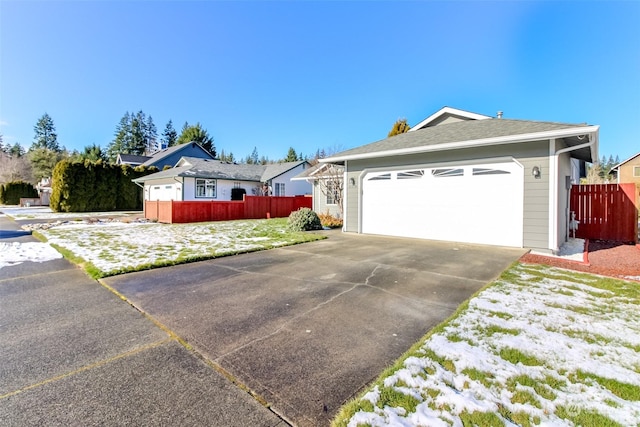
73 354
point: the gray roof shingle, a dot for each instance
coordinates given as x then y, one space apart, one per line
215 169
462 131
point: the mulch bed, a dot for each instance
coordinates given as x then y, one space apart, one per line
606 258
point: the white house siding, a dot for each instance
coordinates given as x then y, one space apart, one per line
223 189
320 201
536 191
292 188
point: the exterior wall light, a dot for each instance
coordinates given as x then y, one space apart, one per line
352 181
535 172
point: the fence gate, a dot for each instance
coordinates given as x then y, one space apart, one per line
606 211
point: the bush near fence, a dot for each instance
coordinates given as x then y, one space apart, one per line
96 186
12 192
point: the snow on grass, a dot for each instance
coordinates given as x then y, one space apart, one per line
540 346
44 212
116 247
13 253
572 250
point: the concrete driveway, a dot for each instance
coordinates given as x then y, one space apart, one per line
306 327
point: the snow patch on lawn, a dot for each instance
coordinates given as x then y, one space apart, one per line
566 326
13 253
44 212
572 250
114 246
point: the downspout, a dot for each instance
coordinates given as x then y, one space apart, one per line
181 187
591 143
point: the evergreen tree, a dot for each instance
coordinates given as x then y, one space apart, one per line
139 135
45 134
16 150
196 133
43 160
400 126
292 156
91 152
253 158
151 136
169 136
120 143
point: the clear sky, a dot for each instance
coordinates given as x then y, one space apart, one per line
311 75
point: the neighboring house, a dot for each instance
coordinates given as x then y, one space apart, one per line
131 159
627 171
327 181
466 177
208 179
167 157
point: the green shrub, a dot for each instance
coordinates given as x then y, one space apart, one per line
96 186
11 192
304 219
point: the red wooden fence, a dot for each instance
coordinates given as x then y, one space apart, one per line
606 211
252 207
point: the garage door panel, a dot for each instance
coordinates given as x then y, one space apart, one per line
476 204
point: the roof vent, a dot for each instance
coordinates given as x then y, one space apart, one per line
499 114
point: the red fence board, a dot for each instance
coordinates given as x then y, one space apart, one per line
252 207
606 211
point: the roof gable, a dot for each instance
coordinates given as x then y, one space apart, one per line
625 161
274 170
193 147
448 115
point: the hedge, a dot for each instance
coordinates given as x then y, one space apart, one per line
11 192
95 186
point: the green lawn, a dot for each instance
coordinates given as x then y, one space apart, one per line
106 249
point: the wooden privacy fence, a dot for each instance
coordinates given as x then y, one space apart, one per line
252 207
606 211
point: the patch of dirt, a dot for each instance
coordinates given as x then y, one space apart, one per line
606 258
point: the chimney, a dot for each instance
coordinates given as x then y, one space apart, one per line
499 114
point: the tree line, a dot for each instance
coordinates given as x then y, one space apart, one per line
135 133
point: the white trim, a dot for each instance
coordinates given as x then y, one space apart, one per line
449 110
553 196
510 139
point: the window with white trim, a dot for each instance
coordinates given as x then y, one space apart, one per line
206 188
441 173
411 174
279 189
486 171
383 177
331 193
636 171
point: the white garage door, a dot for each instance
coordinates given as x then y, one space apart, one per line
470 203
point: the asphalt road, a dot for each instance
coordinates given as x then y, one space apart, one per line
72 353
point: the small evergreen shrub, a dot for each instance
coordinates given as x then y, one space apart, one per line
11 192
304 219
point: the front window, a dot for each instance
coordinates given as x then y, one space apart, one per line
206 188
331 193
280 189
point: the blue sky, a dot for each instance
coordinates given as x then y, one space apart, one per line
311 75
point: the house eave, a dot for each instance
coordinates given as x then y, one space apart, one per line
592 131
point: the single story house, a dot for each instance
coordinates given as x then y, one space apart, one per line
467 177
195 178
327 182
628 171
167 157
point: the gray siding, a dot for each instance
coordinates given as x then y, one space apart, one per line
320 202
529 154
